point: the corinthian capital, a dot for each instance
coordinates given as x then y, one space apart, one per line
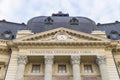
101 60
22 59
48 59
75 59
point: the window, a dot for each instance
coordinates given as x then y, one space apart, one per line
88 68
36 69
7 35
114 35
48 20
61 68
74 21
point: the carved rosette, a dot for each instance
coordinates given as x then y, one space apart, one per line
22 59
75 59
101 60
48 59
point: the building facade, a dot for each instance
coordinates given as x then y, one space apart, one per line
59 47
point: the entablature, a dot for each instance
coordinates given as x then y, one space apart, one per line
62 44
61 52
3 46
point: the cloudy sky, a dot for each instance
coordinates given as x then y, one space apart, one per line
103 11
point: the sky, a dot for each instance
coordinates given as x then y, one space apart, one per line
19 11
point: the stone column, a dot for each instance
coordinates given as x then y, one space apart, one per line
48 67
101 61
22 61
75 60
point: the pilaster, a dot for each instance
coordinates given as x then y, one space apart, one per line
111 67
12 66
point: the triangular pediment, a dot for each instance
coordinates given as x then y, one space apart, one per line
61 35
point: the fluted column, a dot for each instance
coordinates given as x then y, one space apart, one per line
101 60
48 67
75 60
22 61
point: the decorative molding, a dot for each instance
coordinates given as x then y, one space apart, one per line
62 43
101 60
48 59
71 39
44 35
22 60
108 48
3 45
3 41
54 37
4 50
75 59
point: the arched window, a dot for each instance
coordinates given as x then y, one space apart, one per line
74 21
7 35
114 35
48 20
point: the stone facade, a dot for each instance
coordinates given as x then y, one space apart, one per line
46 56
60 54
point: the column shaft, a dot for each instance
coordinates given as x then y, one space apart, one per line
48 67
101 60
75 60
22 60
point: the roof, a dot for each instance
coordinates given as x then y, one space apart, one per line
45 23
38 24
10 26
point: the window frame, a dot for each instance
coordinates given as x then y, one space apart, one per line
36 65
63 71
88 68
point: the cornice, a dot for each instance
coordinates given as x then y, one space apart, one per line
2 41
58 44
63 31
116 45
6 46
3 45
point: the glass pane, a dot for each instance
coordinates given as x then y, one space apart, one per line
88 68
36 69
62 68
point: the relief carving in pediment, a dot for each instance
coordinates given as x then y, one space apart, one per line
61 34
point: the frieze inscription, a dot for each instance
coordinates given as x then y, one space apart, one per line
62 52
